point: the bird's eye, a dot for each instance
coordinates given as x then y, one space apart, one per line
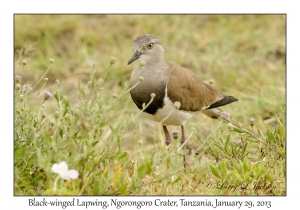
150 46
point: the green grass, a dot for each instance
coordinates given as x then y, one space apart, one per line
93 125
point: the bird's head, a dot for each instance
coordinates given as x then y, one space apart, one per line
147 48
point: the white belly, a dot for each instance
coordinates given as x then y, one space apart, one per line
177 117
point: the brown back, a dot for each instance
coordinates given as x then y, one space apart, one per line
193 94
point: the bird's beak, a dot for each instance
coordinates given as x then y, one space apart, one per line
135 56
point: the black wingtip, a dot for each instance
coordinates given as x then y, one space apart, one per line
224 101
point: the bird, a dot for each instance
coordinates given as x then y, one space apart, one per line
157 86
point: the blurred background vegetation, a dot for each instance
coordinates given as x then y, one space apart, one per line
245 56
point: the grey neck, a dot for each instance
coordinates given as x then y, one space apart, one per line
150 72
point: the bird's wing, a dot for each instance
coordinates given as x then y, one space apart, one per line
193 94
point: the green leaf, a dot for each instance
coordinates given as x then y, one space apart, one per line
87 142
236 165
133 186
46 136
223 168
94 143
91 153
96 188
35 123
79 87
226 142
239 130
245 164
244 148
95 132
270 178
219 146
261 170
142 170
261 133
123 189
112 129
20 152
117 176
121 155
66 192
148 168
49 192
65 111
56 96
278 121
66 101
61 133
176 180
214 170
105 170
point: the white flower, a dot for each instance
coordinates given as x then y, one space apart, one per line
112 60
26 86
252 120
240 143
175 134
17 79
62 169
225 115
177 105
47 95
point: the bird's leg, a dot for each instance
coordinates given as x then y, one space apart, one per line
168 141
184 147
168 138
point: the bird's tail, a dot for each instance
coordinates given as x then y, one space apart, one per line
225 100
